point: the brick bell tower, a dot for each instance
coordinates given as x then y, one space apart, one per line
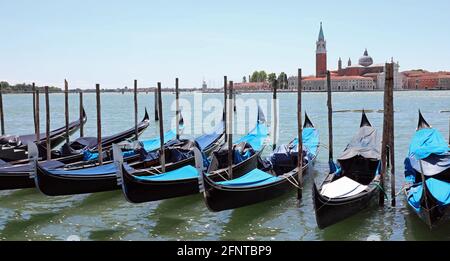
321 55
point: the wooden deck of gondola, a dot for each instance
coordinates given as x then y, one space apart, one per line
331 211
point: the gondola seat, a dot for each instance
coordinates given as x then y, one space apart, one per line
186 172
342 188
255 177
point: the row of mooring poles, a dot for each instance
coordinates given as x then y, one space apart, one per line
36 115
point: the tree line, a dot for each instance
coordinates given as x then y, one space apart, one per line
262 76
24 88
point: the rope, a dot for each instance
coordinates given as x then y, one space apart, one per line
402 190
223 178
150 172
293 183
323 146
382 190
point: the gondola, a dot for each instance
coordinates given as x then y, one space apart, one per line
270 179
91 178
145 185
427 174
353 182
16 175
14 148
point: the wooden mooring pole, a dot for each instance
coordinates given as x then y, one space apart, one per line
99 125
162 155
156 105
47 124
300 136
230 132
275 114
81 115
330 119
33 89
2 119
391 144
225 115
177 108
66 108
136 130
234 101
37 119
385 140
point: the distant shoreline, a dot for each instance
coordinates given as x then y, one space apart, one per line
218 91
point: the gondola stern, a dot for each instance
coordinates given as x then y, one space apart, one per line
146 116
308 123
261 116
423 124
364 120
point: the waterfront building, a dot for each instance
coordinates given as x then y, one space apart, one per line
424 80
252 86
364 76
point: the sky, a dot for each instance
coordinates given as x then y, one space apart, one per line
114 42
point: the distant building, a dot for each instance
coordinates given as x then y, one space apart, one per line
363 76
338 83
321 54
252 86
204 86
424 80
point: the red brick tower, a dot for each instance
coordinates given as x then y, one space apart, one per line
321 55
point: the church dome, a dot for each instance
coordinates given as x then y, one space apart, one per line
366 60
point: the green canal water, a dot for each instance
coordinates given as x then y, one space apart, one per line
28 215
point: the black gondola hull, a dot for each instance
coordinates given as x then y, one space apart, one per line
59 185
332 211
16 181
10 178
138 191
218 199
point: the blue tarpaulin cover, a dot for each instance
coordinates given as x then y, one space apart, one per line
310 139
206 140
426 142
149 145
438 188
428 146
107 169
186 172
255 177
256 137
